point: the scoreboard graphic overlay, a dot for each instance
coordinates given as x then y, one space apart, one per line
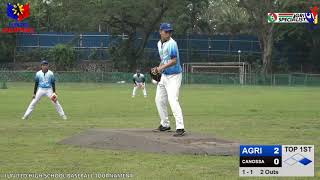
276 160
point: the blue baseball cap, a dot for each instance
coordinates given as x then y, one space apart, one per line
166 27
44 62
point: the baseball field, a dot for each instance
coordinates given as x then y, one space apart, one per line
248 114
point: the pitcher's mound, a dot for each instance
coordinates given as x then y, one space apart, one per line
143 140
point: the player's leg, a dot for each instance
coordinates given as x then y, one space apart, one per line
144 90
59 109
173 87
33 103
134 91
162 104
57 105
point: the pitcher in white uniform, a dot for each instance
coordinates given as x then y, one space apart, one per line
169 85
44 86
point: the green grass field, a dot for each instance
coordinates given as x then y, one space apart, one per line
260 115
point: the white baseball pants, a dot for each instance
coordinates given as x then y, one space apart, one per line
135 88
168 92
43 92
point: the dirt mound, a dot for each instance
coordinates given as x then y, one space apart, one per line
143 140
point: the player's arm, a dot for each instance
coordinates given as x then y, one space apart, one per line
134 81
54 87
36 85
170 63
53 84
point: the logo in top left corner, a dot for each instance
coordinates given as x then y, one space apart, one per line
18 11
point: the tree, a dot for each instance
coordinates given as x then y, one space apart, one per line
266 32
188 16
64 56
225 16
135 19
7 41
66 15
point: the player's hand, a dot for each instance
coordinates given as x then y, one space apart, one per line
158 69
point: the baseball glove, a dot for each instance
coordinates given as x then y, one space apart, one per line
54 97
155 75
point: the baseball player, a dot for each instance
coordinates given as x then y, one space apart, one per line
170 81
139 82
44 86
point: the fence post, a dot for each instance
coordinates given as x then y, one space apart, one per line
289 79
188 46
305 79
229 50
102 76
38 40
15 50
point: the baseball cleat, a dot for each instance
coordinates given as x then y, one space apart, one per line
161 129
179 133
64 117
24 118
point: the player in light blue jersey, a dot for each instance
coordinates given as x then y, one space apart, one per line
169 85
44 86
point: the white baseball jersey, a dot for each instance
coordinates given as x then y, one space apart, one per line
139 79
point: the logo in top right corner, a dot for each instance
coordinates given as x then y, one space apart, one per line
310 17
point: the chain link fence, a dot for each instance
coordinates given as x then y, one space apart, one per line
292 79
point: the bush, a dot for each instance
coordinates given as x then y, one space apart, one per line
7 45
64 56
32 55
93 54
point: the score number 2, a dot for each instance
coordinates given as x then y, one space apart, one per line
276 151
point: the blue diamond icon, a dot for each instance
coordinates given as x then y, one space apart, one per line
305 161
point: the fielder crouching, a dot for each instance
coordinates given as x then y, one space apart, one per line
44 86
139 81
